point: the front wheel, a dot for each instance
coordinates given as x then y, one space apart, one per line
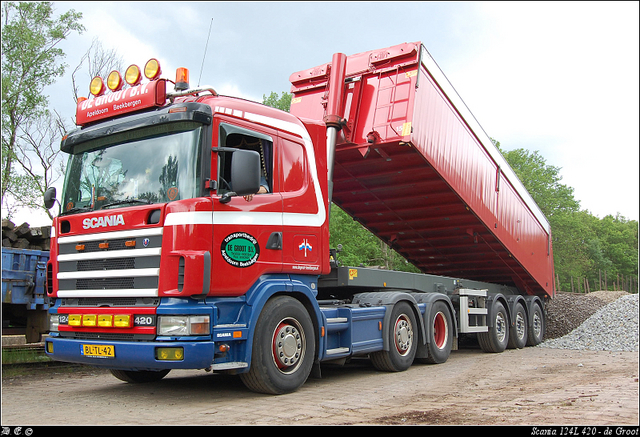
402 341
283 348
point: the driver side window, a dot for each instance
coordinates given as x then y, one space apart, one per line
233 137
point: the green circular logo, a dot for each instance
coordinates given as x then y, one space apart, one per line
240 249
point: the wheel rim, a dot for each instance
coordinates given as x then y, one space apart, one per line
403 334
501 327
288 345
440 330
520 326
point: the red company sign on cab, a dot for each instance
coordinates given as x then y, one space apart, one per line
121 102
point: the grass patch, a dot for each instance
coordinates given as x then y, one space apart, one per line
21 356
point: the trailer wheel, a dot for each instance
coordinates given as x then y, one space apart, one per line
139 376
536 333
402 341
496 339
441 335
518 335
283 348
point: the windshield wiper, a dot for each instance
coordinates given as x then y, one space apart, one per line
76 209
125 201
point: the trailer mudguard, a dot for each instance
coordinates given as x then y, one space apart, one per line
389 299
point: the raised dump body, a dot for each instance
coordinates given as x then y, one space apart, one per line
415 168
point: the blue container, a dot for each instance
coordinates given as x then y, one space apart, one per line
24 278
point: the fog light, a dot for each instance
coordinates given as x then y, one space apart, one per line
170 353
105 320
122 321
49 347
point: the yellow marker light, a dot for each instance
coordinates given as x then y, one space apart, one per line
114 81
97 86
105 320
170 353
132 75
104 245
152 69
79 247
122 320
130 243
75 320
89 320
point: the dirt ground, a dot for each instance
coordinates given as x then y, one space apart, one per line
532 386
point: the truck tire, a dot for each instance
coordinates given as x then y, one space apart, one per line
496 339
402 335
538 326
441 333
518 335
283 348
135 377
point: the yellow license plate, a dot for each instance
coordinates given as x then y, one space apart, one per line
98 350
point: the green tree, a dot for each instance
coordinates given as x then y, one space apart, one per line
618 243
583 245
31 60
283 102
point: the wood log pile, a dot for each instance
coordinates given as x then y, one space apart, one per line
24 236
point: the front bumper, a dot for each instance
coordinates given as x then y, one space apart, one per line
133 355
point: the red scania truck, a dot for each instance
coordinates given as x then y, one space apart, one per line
193 230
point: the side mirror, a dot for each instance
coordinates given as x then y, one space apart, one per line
50 197
245 174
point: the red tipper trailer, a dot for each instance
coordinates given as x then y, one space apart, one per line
414 167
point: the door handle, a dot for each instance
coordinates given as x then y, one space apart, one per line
275 241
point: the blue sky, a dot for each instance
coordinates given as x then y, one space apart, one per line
560 78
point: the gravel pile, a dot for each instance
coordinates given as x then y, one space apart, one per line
602 320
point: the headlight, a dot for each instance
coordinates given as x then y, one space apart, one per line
54 322
178 326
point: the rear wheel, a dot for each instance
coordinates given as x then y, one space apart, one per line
496 339
518 335
441 335
402 341
536 333
283 348
139 376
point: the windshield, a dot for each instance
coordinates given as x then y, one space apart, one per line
151 165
